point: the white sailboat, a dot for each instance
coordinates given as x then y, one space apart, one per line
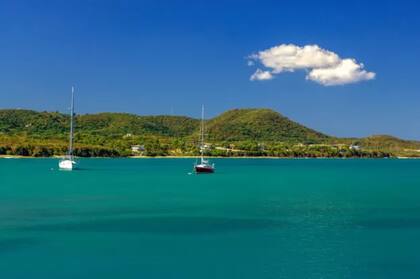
67 163
204 166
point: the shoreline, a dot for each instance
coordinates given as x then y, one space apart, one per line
197 157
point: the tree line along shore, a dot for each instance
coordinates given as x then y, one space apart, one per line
158 148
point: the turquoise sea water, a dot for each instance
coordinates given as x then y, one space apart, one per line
254 218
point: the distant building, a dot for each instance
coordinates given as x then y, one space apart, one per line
355 147
137 148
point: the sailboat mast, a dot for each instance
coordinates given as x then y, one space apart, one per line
71 123
202 133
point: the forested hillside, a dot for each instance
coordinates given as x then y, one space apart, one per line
239 132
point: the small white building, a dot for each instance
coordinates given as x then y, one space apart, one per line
354 147
137 148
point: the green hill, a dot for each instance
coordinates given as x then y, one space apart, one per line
122 123
239 132
260 125
32 123
392 144
107 124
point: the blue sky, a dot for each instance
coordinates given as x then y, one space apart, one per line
161 57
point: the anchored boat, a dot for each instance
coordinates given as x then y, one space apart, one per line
204 166
67 163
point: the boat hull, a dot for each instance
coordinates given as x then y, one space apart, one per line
66 164
203 169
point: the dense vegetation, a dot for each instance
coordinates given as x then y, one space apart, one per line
241 132
260 125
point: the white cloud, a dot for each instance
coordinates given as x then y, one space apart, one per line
290 57
324 66
261 75
348 71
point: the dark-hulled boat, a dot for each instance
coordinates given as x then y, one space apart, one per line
204 166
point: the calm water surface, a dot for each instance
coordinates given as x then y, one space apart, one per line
254 218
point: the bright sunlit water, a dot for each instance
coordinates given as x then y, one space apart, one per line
253 218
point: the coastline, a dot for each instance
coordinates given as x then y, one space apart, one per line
197 157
